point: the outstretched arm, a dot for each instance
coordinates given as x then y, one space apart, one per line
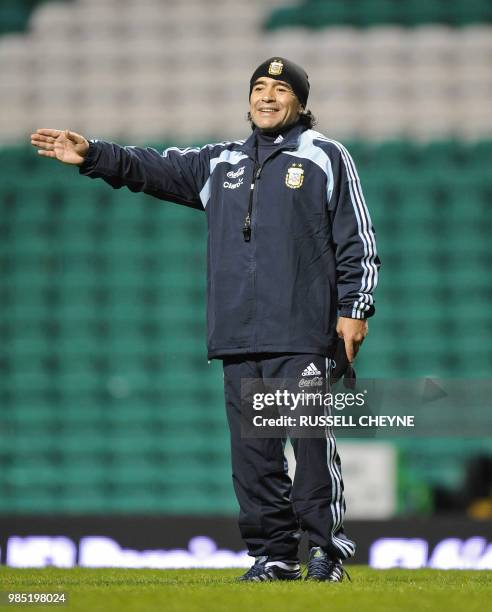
63 145
177 175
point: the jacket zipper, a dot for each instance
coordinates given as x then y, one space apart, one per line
256 175
247 221
247 234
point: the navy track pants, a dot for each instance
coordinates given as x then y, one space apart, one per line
273 510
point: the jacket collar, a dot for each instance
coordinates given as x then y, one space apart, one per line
290 141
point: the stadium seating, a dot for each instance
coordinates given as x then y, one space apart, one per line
375 83
107 400
366 13
107 403
14 14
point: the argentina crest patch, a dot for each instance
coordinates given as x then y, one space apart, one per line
276 67
295 176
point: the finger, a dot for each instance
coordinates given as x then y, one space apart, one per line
48 132
44 145
46 153
350 350
39 138
73 136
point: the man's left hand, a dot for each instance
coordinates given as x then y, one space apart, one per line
353 332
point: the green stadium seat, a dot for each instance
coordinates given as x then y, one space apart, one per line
318 14
108 387
475 11
35 413
36 502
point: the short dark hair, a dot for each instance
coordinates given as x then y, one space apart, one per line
306 118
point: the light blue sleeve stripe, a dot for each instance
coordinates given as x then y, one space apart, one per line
205 193
231 157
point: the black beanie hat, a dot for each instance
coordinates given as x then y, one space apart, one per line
281 69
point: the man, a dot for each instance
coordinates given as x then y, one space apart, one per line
292 263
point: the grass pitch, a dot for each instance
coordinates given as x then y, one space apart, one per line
123 590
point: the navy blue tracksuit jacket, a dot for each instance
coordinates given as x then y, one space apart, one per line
290 242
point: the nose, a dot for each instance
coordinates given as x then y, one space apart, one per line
268 95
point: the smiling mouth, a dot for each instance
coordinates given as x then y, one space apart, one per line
268 110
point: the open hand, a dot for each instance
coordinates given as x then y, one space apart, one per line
63 145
